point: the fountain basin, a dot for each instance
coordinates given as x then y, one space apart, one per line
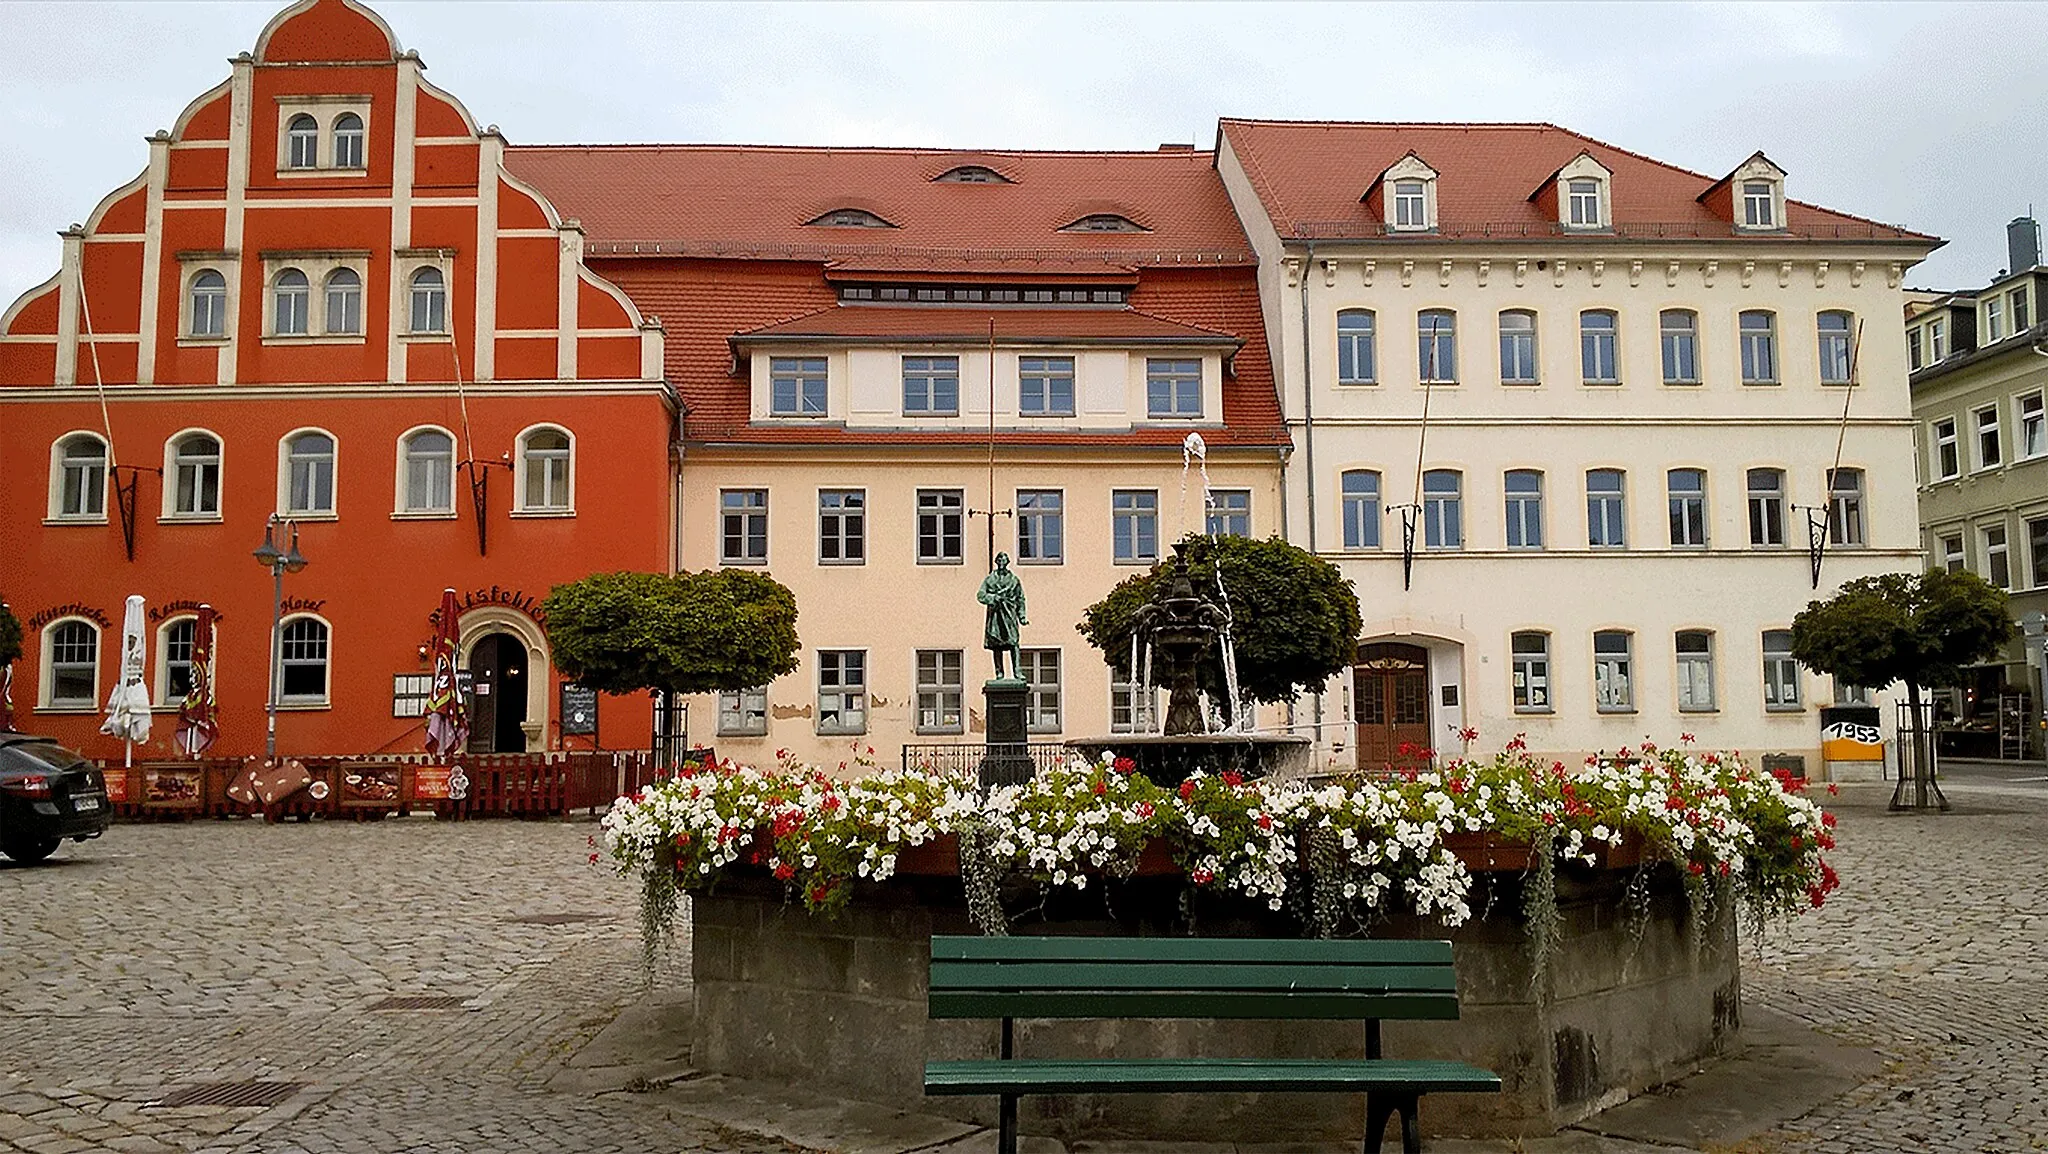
1167 760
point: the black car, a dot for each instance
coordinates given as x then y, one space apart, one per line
47 793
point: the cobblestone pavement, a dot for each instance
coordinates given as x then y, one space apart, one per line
161 956
1935 954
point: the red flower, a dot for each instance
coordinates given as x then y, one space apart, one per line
1723 869
1686 738
1202 877
1833 789
1124 765
1101 788
593 859
784 871
1519 743
1798 842
831 803
1145 809
1405 749
1266 821
1468 734
787 822
1187 790
819 893
1232 778
1827 819
1695 868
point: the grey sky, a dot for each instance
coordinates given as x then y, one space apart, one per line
1913 114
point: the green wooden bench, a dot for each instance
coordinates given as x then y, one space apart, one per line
1049 977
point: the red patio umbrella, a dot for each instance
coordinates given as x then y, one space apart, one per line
447 719
196 726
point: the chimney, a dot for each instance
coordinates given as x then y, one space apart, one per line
2023 243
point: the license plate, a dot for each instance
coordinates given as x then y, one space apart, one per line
82 804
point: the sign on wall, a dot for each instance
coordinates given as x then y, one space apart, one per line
579 710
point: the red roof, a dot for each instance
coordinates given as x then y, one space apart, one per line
754 201
951 325
1310 176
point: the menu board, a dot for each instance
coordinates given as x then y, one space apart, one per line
366 784
579 710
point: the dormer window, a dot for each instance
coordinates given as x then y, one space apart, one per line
302 142
1578 194
1759 204
1585 203
850 218
972 174
1105 222
1405 195
1752 198
1411 208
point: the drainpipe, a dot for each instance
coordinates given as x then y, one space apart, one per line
1308 433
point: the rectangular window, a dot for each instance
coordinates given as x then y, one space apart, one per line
1679 334
1131 708
938 526
1913 354
2033 433
302 657
842 526
1134 525
1584 203
1045 386
1997 568
940 676
1598 332
1759 205
1695 671
409 693
1042 690
2021 314
1948 460
2037 549
1766 508
1994 320
1361 500
796 386
1606 520
743 539
743 713
1613 672
1531 653
1952 553
1173 388
1041 526
1759 334
1357 358
178 639
1781 671
1230 513
931 386
1410 208
1524 488
1443 525
1846 694
1845 507
1687 491
842 691
1988 454
1937 340
1436 335
1518 348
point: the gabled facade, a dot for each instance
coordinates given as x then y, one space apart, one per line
324 299
1623 383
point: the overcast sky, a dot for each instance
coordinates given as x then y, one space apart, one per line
1928 116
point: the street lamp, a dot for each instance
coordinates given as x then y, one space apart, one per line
279 563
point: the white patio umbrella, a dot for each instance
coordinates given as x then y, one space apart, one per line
128 704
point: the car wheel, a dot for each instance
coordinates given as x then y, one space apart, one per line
28 851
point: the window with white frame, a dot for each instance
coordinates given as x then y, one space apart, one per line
796 386
1359 490
1846 694
1695 650
78 479
1767 508
1598 333
1229 513
174 668
1937 340
931 386
195 476
1952 554
842 526
1134 525
1411 204
2022 317
1836 331
1041 526
939 513
1518 347
546 462
344 312
1173 387
428 293
1759 204
1989 450
302 661
1357 356
743 526
2037 549
1133 708
72 648
427 459
1781 672
1531 655
1436 334
1686 492
1042 690
309 474
1948 460
1523 489
2033 433
1758 331
1606 520
1845 506
1443 522
1583 198
1914 356
1997 563
743 713
842 691
348 141
207 309
1614 671
291 304
302 142
1994 320
1678 333
1045 386
940 678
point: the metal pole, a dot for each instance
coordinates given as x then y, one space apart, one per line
276 629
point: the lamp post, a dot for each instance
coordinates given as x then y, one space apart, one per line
279 563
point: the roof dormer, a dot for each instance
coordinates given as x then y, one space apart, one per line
971 174
1104 222
848 216
1579 196
1752 198
1405 196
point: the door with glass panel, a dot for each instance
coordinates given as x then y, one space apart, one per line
1390 688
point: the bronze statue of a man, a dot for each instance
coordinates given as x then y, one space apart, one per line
1003 593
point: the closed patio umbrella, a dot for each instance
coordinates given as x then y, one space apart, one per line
447 719
128 705
196 726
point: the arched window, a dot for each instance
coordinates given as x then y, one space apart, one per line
428 484
302 661
1361 497
1437 345
1678 331
174 659
1598 362
348 141
1834 328
1357 358
1104 222
309 474
1759 332
849 218
429 301
72 653
544 459
195 476
1443 522
209 311
1518 347
302 142
78 479
344 302
291 304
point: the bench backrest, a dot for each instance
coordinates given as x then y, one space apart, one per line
1054 977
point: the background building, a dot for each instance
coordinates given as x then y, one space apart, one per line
1633 377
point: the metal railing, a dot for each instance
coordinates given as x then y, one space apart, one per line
966 757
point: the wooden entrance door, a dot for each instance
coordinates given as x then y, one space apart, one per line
1390 685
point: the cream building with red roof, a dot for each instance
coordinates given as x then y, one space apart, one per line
1606 393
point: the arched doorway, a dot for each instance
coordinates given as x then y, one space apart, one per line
499 666
1390 686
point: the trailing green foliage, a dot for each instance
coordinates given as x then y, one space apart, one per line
719 629
1294 617
1922 629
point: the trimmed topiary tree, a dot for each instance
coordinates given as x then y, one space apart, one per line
719 629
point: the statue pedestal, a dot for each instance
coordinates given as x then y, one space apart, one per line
1007 759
